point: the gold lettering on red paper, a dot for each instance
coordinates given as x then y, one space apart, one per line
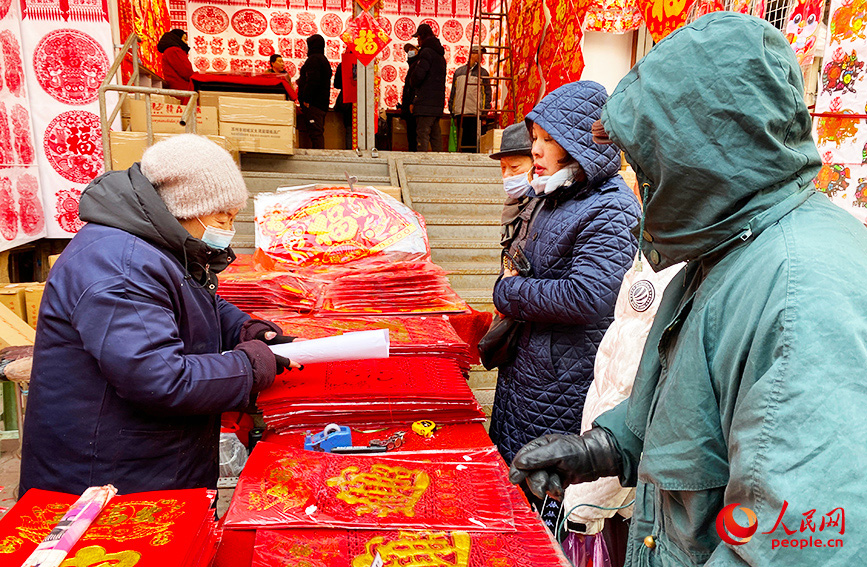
418 549
383 490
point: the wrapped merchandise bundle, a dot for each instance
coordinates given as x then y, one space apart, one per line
371 392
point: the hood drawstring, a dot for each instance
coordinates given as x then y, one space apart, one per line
639 266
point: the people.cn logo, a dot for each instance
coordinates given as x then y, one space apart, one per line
732 532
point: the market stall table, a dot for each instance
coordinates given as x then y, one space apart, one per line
267 83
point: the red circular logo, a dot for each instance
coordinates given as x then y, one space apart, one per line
732 532
220 64
404 28
202 63
67 210
73 145
384 23
434 25
472 37
331 25
70 66
388 73
249 23
306 25
210 20
453 31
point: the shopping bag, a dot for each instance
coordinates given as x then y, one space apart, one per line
453 135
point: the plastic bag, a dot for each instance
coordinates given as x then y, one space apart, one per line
453 135
586 551
233 455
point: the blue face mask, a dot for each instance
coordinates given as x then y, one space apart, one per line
218 238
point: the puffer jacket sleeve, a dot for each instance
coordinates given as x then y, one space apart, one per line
422 68
231 320
130 328
603 252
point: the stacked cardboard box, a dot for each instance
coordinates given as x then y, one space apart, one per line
490 142
128 147
258 125
212 98
166 118
23 299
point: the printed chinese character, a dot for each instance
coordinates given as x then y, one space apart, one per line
836 519
780 521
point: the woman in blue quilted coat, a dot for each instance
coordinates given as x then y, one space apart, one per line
580 245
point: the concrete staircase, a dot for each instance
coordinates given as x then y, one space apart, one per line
459 195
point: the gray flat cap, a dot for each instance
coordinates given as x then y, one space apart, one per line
515 142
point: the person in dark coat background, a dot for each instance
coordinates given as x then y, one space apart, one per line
314 91
580 246
344 108
407 97
136 355
177 69
428 79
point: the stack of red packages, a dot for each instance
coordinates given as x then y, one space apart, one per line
249 287
371 392
408 336
146 529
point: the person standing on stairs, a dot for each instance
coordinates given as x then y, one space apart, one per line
428 79
579 246
314 91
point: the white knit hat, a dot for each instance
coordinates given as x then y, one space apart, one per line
194 176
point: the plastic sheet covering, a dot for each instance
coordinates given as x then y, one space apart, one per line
283 487
338 225
370 392
173 527
409 336
530 545
357 345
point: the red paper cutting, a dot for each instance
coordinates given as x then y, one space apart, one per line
281 24
365 38
12 69
282 487
211 20
29 206
73 145
65 10
560 56
664 16
67 210
8 212
249 23
70 65
7 159
21 130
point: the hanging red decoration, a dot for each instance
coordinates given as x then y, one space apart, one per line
365 37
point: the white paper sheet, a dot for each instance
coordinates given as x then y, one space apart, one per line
358 345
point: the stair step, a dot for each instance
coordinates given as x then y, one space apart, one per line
459 221
465 244
489 232
456 201
463 211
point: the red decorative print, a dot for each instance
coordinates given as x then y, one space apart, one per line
70 65
21 130
8 213
285 45
453 31
384 23
200 44
233 46
281 23
461 54
388 73
266 47
220 64
306 24
67 210
290 68
13 71
403 71
4 8
383 55
217 45
473 36
6 157
241 66
331 25
29 207
248 47
261 66
300 48
202 64
332 49
391 96
73 145
249 23
434 25
404 28
210 19
448 52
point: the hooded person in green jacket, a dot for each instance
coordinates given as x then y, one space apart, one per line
747 414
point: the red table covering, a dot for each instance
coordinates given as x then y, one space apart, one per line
286 488
215 80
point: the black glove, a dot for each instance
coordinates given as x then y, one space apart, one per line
551 463
255 329
266 365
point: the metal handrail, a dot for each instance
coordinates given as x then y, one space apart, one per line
188 119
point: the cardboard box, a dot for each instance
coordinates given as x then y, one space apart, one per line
212 98
12 297
390 191
490 142
32 299
335 131
257 111
52 259
265 138
166 118
128 147
14 331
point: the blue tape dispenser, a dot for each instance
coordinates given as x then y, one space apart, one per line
332 436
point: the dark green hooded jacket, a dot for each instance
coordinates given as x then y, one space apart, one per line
753 383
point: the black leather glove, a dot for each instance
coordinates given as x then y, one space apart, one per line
551 463
255 329
266 365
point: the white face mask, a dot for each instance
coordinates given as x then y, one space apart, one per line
214 237
516 186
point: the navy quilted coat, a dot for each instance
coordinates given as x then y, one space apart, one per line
580 246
